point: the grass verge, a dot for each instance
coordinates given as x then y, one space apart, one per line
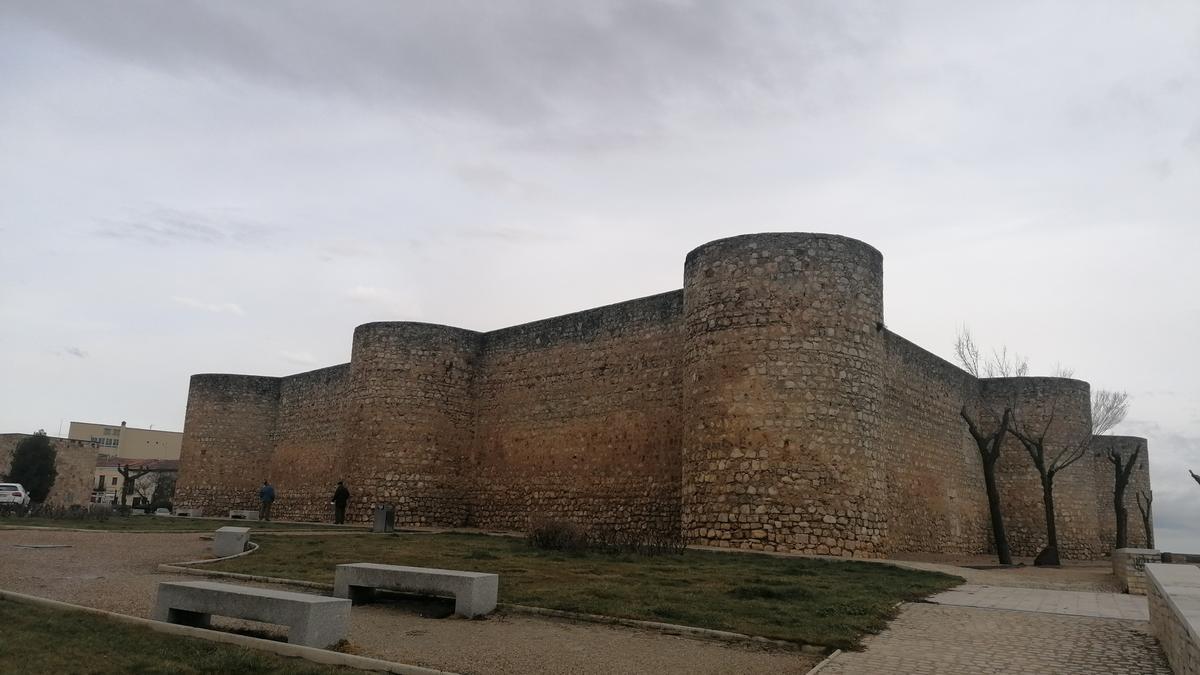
821 602
158 524
44 640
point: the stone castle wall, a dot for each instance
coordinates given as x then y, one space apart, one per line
578 418
763 406
75 462
936 495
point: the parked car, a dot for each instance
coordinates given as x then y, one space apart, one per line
14 493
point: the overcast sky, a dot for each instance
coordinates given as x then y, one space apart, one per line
232 187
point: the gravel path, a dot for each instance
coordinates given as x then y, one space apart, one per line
117 572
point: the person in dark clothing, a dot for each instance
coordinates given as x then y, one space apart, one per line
266 495
340 496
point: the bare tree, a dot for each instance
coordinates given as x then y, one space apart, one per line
1109 409
1147 515
1123 468
1194 476
1000 364
989 451
967 351
1062 371
1048 465
131 476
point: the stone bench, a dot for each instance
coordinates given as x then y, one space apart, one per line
189 512
474 592
230 541
312 620
243 514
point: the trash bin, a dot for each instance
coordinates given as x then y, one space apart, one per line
385 519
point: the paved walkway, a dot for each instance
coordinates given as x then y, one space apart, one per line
1075 603
930 639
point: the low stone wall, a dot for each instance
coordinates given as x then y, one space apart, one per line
1129 567
1174 595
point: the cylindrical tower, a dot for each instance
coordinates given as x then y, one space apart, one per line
1061 410
781 393
410 420
228 438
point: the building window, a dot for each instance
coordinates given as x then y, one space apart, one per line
114 480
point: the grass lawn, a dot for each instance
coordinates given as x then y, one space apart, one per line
43 640
822 602
157 523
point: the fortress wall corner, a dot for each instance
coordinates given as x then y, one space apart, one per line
782 387
1063 408
409 419
936 496
578 419
1139 481
228 439
307 460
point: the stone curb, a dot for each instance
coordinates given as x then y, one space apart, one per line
669 628
824 662
321 656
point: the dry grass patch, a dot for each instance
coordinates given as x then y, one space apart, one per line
821 602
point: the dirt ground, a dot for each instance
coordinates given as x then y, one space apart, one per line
1074 575
118 572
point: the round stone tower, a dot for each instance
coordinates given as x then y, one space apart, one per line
1061 409
409 419
781 387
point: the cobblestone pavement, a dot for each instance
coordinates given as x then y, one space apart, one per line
932 639
1100 605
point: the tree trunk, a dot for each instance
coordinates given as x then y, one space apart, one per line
993 496
1048 502
1146 525
1122 513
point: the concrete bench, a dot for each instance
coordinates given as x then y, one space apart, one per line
474 592
243 514
189 512
230 541
312 620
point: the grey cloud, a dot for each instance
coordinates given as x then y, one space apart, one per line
519 63
164 226
76 352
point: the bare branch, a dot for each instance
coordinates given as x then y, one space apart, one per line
1066 457
1062 371
966 351
1004 364
1194 476
1109 409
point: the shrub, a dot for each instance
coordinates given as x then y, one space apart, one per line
558 535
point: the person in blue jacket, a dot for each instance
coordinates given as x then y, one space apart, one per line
266 495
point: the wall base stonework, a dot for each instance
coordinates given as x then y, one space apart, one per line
763 406
1129 566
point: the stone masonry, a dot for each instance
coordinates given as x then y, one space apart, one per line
764 406
75 462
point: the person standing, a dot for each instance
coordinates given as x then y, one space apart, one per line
340 496
266 495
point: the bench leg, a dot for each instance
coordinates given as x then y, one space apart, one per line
321 629
356 594
186 618
477 600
